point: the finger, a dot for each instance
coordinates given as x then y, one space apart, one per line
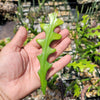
19 38
39 36
57 29
59 49
64 33
42 36
58 65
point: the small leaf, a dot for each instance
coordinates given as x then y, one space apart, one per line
77 90
92 34
82 65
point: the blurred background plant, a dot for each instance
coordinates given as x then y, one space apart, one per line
85 54
4 42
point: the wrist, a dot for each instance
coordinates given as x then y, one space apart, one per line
3 96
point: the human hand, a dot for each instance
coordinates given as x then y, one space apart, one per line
19 65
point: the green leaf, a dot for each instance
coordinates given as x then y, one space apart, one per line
77 90
46 49
97 58
82 65
2 43
92 34
98 90
85 20
96 53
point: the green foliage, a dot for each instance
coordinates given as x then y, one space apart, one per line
96 87
82 65
20 12
74 88
41 3
28 40
85 46
92 34
21 17
4 42
97 58
77 90
51 82
86 55
46 50
70 87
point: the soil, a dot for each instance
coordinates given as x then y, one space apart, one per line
6 30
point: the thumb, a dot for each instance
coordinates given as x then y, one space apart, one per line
19 38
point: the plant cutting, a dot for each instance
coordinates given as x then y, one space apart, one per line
46 49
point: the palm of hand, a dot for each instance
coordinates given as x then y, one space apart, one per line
21 67
20 71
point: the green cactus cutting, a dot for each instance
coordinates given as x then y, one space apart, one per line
46 49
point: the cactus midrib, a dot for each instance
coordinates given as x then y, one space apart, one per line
44 57
47 43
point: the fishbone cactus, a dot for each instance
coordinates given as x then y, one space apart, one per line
46 49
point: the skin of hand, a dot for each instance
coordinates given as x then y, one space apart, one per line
19 65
